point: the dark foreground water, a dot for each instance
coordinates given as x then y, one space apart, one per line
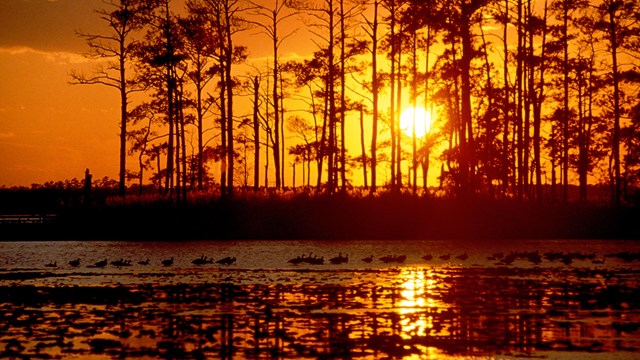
489 299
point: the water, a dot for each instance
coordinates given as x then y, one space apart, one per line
583 303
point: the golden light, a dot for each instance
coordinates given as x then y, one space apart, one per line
417 115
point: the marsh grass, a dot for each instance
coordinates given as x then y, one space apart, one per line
307 214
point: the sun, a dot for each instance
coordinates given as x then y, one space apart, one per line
422 120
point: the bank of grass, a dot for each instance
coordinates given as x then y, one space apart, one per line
309 215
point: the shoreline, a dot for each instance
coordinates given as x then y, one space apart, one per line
332 219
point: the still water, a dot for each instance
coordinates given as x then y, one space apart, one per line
553 299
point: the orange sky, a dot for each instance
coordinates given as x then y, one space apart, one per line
50 130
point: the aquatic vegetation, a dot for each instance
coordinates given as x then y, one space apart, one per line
457 312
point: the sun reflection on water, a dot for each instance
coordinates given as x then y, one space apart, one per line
438 312
419 291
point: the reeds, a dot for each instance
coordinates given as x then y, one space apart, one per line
295 214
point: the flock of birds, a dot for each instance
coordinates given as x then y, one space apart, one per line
499 258
387 259
203 260
318 260
342 259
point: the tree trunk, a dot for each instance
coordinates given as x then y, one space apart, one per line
392 100
200 116
256 133
123 120
375 90
276 115
519 107
183 143
323 140
537 113
282 139
332 105
229 81
364 152
565 119
529 99
343 103
582 151
466 134
613 39
397 121
266 148
414 95
505 108
223 132
427 107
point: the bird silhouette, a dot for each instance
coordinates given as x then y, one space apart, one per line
227 260
445 256
121 263
340 259
202 260
101 263
167 262
75 262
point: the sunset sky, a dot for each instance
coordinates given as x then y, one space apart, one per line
50 130
53 131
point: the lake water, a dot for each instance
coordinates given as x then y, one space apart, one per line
554 299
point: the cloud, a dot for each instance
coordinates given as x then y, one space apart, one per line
7 134
59 57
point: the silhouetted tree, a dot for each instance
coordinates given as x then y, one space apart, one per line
256 132
364 158
310 74
460 18
225 17
394 51
537 26
371 29
270 19
159 58
325 15
587 84
141 139
123 18
200 44
617 19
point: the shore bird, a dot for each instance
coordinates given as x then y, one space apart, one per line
101 263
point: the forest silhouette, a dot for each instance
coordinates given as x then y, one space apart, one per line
64 214
522 95
535 120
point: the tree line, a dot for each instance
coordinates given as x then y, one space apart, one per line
528 95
